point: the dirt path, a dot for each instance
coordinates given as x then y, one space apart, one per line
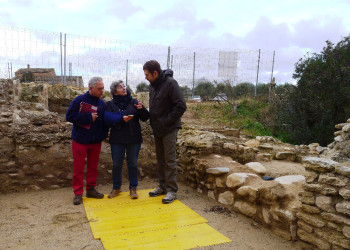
49 220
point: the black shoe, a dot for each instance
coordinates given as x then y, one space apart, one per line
78 199
169 197
156 192
92 193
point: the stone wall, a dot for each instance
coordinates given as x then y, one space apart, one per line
35 146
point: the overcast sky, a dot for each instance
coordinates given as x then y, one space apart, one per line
291 27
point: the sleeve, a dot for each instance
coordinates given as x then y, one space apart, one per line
74 116
178 102
142 113
112 118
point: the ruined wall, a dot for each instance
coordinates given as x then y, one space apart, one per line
35 146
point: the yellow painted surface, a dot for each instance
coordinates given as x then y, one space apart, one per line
146 223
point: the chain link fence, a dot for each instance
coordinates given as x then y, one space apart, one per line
73 59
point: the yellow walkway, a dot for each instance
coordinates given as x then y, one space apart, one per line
146 223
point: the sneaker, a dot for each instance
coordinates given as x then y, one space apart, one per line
133 193
114 193
78 199
156 192
169 197
92 193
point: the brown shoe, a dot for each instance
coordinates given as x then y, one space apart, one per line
133 193
114 193
92 193
77 200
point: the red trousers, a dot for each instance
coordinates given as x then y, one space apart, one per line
91 152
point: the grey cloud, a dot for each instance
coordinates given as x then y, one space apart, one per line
122 9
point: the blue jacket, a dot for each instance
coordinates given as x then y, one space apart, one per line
125 132
98 131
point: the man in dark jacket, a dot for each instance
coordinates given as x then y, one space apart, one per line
86 113
166 106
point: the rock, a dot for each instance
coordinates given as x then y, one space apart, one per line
336 218
257 167
238 179
313 220
218 170
333 237
285 156
326 203
245 208
303 225
317 241
290 179
343 207
220 182
345 193
284 216
346 231
310 177
321 189
346 128
264 157
310 209
307 197
331 179
211 195
343 170
226 198
266 215
253 143
319 164
249 191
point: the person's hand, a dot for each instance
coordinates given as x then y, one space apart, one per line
138 105
94 116
127 118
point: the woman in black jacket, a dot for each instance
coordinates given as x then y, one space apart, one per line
125 135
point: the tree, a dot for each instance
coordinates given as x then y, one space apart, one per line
321 98
206 90
244 89
186 91
142 87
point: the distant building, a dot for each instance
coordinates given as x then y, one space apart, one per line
46 75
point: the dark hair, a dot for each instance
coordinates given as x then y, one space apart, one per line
152 66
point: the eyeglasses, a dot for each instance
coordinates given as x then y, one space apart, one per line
120 87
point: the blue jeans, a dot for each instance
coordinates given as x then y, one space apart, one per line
118 153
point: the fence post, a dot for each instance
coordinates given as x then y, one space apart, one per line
273 64
61 56
194 69
257 75
168 59
70 72
65 58
126 77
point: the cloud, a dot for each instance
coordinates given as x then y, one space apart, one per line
123 9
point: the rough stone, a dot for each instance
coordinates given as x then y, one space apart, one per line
211 195
218 170
285 216
310 209
343 170
307 197
290 179
326 203
226 198
333 237
321 189
257 167
285 156
319 164
343 207
220 182
345 193
346 231
249 191
336 218
313 220
264 157
317 241
311 177
333 180
245 208
238 179
266 216
303 225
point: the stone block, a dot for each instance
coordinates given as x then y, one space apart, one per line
284 216
345 193
226 198
257 167
218 170
238 179
314 220
311 238
326 203
211 195
334 237
346 231
245 208
307 197
321 189
310 209
303 225
220 182
343 207
266 215
331 179
248 191
311 177
282 233
264 157
285 156
322 165
343 170
336 218
290 179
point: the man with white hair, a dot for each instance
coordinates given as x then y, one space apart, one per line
86 113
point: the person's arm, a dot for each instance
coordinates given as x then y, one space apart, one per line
141 111
112 118
75 117
178 101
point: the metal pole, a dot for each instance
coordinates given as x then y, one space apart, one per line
70 72
168 59
194 69
126 77
8 69
61 56
11 69
171 64
65 58
273 63
257 76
